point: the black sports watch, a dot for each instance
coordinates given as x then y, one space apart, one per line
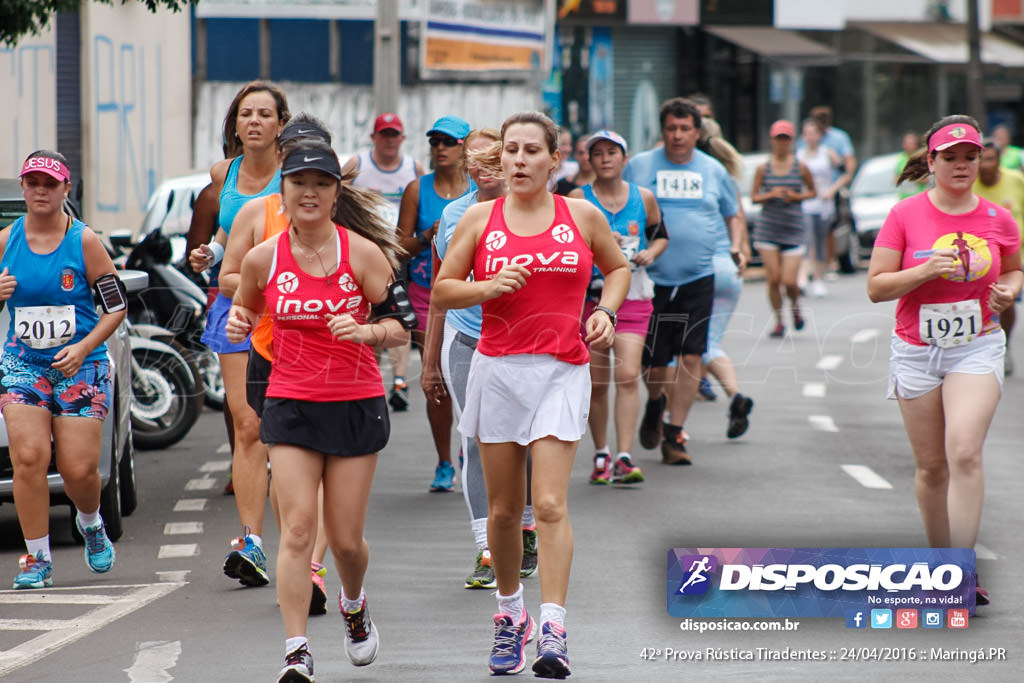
611 314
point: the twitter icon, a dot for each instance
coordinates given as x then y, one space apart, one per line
881 618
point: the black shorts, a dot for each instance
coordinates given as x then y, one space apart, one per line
679 324
344 428
257 374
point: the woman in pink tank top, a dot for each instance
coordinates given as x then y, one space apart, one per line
325 417
531 255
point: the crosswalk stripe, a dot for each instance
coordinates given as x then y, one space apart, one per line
224 448
176 551
47 598
823 423
984 553
864 336
866 477
190 505
182 528
814 390
202 484
152 661
215 466
829 362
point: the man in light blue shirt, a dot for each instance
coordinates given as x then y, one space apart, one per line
698 204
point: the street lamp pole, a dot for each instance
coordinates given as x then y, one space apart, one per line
975 78
386 66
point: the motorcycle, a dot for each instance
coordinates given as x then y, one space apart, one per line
174 302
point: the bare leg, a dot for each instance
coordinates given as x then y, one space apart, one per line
249 462
600 376
504 467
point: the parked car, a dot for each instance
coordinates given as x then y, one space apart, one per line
872 194
117 464
170 209
845 237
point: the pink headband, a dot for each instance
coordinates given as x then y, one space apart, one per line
50 167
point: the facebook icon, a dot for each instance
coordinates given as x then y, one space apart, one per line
856 619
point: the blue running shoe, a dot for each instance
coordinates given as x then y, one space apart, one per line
35 572
298 667
705 392
508 655
552 658
99 551
444 478
246 562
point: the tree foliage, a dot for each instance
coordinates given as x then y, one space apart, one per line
19 18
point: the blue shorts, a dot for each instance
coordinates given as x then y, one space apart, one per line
86 394
215 336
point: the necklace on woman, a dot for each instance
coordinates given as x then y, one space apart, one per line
303 246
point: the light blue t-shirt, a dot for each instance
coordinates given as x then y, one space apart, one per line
695 200
465 320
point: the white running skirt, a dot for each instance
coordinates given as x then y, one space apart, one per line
525 397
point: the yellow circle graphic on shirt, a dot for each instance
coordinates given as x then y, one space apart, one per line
973 258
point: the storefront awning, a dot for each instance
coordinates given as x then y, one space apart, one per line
787 47
947 43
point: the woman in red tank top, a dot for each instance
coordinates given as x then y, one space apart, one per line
325 415
531 255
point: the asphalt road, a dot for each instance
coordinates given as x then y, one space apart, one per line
166 613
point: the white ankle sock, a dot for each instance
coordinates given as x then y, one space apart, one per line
88 519
352 605
512 605
603 451
480 532
622 454
256 539
39 545
293 644
549 611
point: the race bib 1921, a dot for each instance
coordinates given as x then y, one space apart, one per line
952 324
44 327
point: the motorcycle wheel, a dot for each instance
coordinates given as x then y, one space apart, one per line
213 381
165 400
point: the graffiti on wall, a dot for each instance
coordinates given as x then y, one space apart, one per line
348 112
28 118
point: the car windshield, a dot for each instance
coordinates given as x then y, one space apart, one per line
876 177
10 211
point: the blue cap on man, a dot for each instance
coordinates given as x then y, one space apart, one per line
453 126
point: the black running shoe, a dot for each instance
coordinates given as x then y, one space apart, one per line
650 426
739 410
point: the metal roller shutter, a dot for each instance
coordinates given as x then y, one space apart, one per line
69 94
646 61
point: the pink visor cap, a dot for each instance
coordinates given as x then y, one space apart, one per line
954 134
50 167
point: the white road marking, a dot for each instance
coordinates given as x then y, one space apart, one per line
224 448
823 423
866 476
814 390
47 598
73 629
175 576
829 362
203 484
984 553
864 336
181 528
190 505
215 466
152 661
171 552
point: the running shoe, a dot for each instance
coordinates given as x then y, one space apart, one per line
444 478
818 289
483 574
361 639
625 472
673 451
399 398
798 320
246 562
35 572
739 412
779 331
980 596
99 551
298 666
705 392
529 566
602 473
508 654
318 600
650 426
552 656
229 488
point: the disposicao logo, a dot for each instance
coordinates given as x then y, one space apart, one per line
816 582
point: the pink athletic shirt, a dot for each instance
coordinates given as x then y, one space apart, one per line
309 363
544 316
981 238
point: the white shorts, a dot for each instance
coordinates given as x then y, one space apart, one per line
525 397
915 370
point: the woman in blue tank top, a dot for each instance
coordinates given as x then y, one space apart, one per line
423 202
631 211
54 364
252 169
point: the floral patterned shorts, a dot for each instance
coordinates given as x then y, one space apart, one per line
26 383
